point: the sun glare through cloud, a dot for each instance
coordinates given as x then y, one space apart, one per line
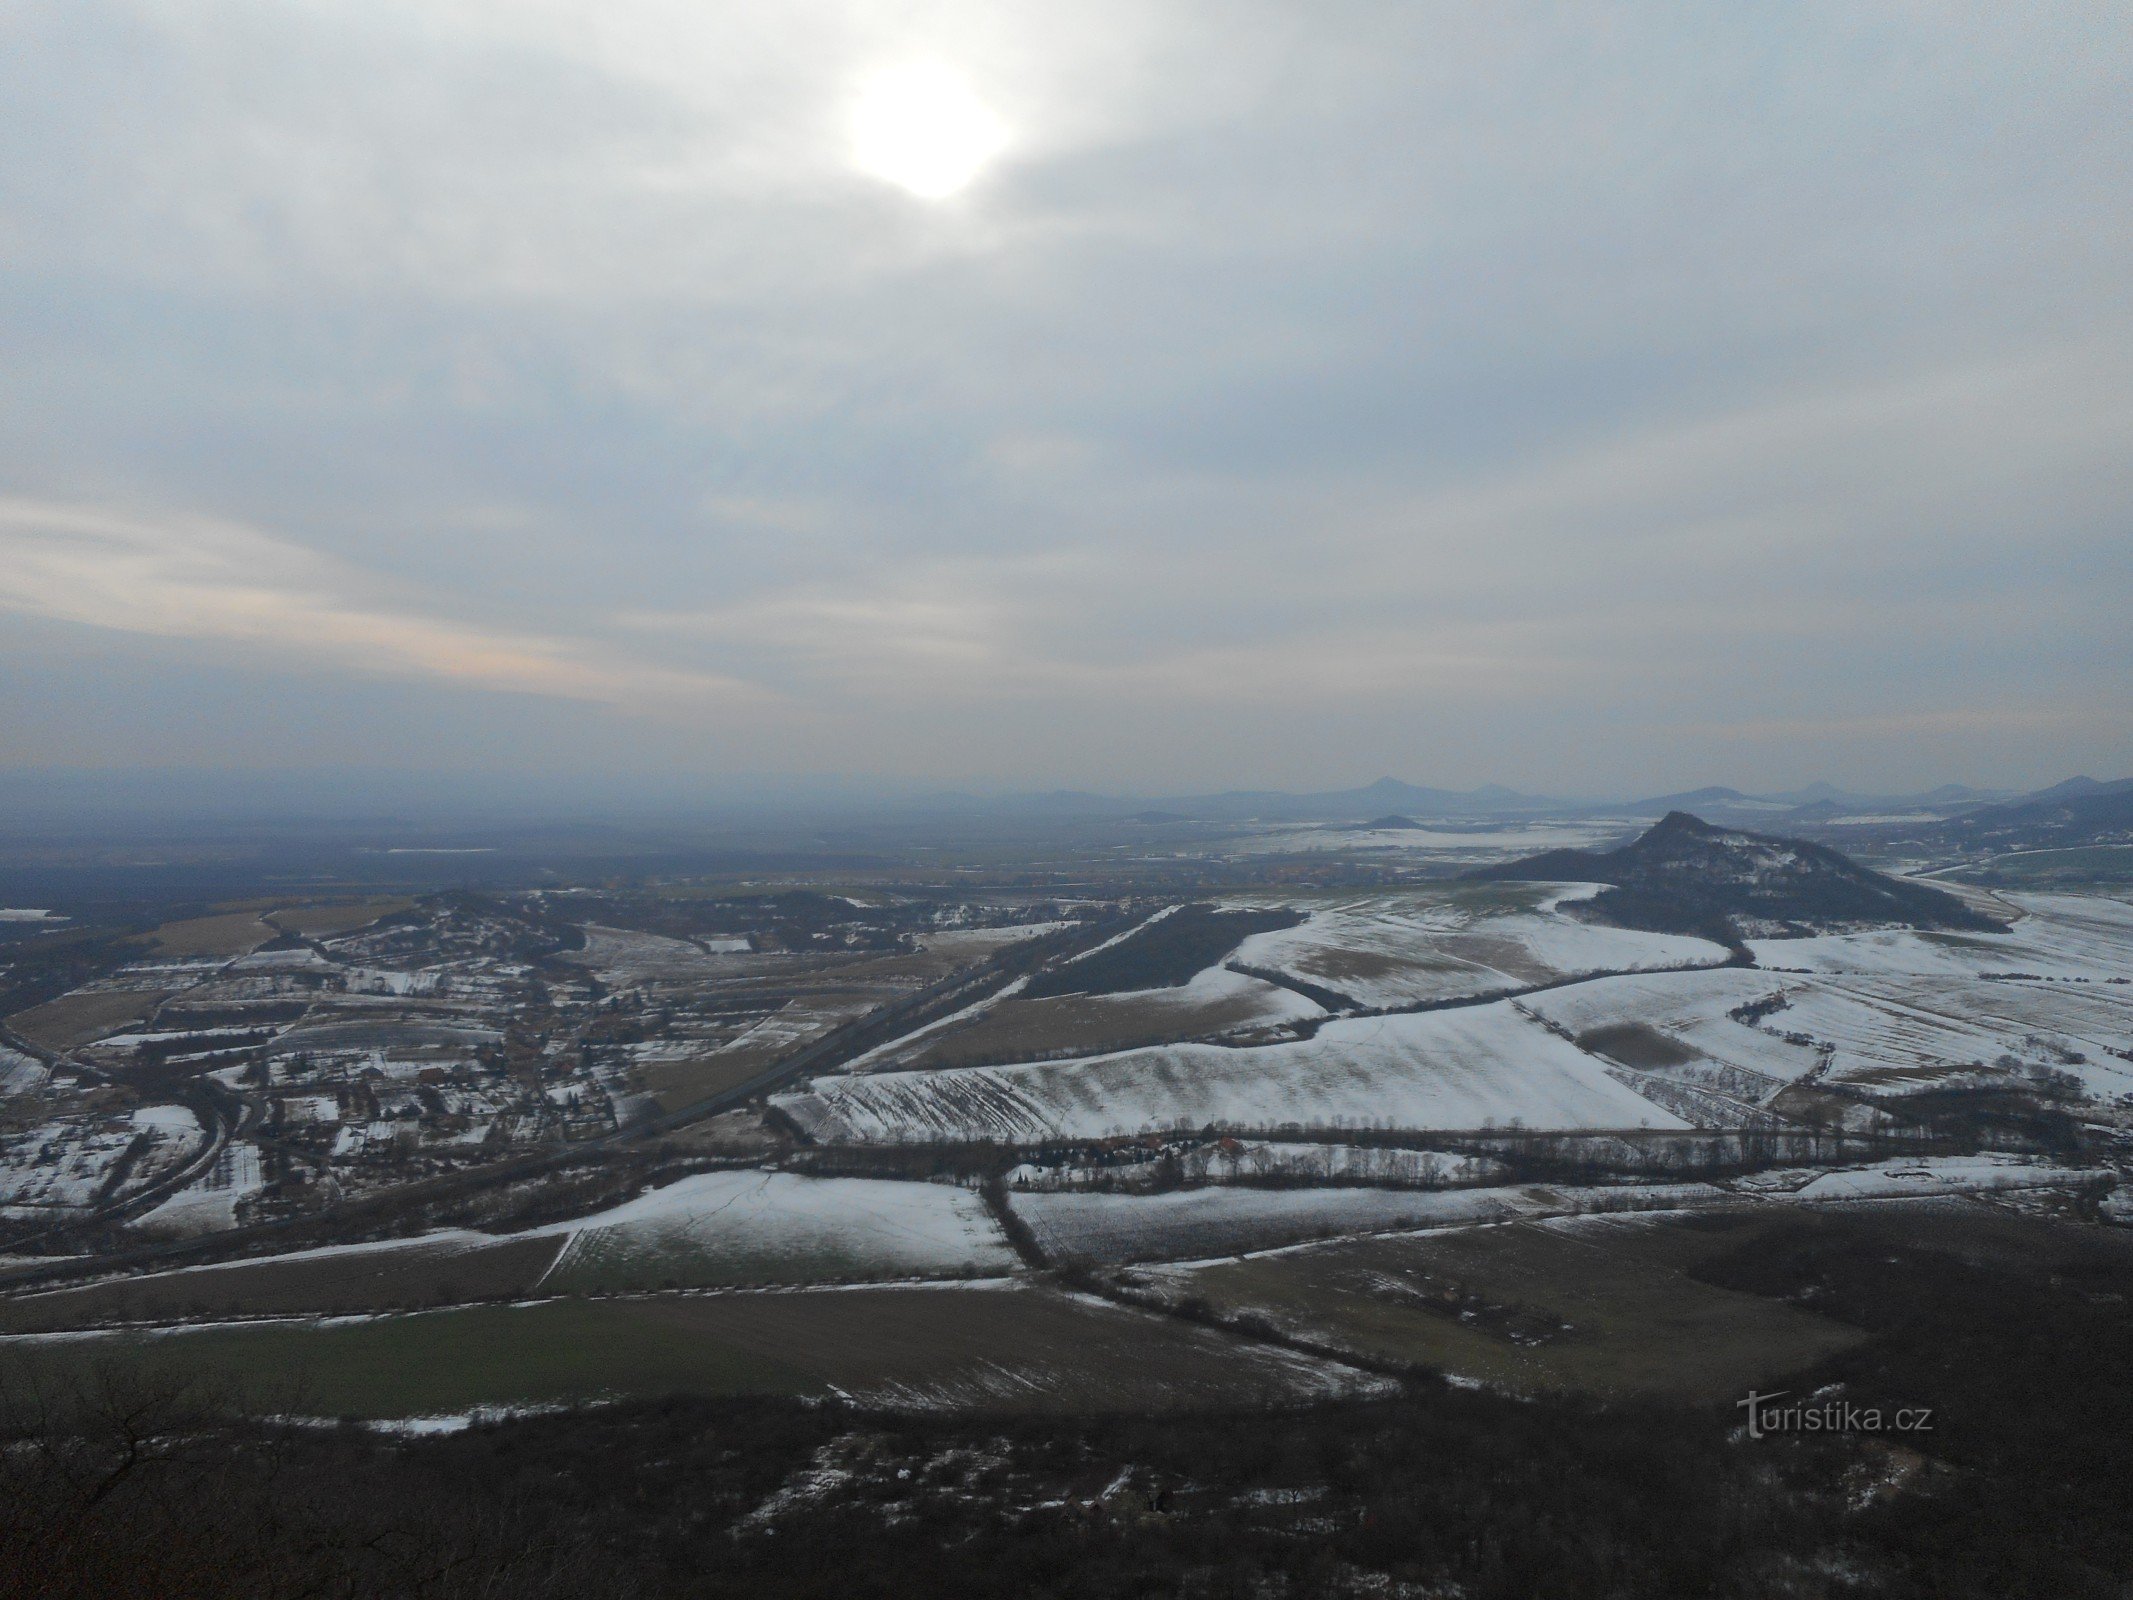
924 129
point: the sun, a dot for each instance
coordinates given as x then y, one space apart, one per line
924 129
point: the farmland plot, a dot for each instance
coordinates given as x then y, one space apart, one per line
1681 1026
676 1071
61 1164
1891 1036
2086 1030
1466 1069
1749 1033
994 1348
625 958
1412 948
1195 1224
401 1035
2059 937
233 933
19 1073
774 1227
69 1162
210 1204
961 945
1565 1304
1931 1175
335 919
74 1019
1215 1002
439 1268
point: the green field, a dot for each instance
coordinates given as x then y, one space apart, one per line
1007 1349
387 1279
2071 868
640 1260
1601 1306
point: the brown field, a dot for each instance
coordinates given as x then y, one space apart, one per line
985 1348
730 1133
675 1084
353 1281
1636 1044
1021 1030
1601 1306
331 921
75 1019
1507 956
228 933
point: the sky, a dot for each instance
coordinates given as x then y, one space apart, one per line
1594 399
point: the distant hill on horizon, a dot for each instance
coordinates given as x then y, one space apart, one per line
2080 811
1684 875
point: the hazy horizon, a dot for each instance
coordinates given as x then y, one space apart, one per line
1149 402
129 796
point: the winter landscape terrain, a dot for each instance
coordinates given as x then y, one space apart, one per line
1080 1118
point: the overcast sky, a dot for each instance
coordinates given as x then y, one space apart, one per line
1592 398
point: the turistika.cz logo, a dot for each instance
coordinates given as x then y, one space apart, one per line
1766 1416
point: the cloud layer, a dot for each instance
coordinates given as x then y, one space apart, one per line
1475 392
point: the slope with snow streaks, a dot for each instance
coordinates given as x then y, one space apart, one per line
2059 936
1895 1035
1466 1069
1199 1223
777 1227
1942 1175
1695 1010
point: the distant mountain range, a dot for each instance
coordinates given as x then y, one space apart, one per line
2080 811
1390 798
1684 875
1387 796
95 802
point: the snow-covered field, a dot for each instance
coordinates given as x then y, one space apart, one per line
209 1205
174 1123
1892 1035
2059 937
1465 1069
19 1073
1928 1175
625 958
1216 1003
1692 1010
974 944
63 1162
789 1027
1257 1002
1891 1011
1412 947
1191 1224
384 1036
777 1227
909 1045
